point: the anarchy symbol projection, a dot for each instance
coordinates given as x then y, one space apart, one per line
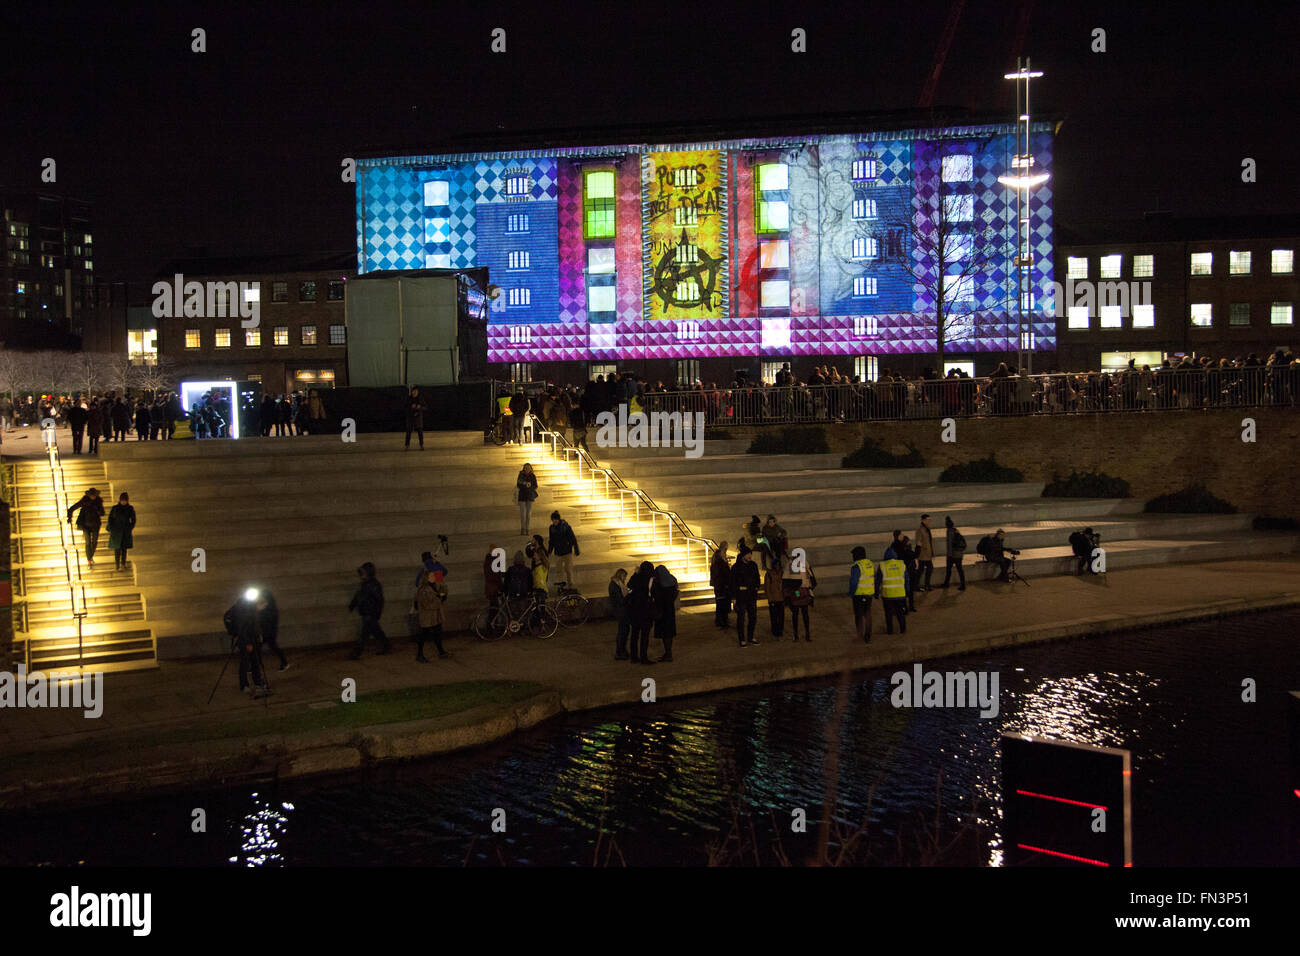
695 280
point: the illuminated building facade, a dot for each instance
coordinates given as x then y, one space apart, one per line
692 258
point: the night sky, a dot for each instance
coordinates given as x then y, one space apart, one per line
238 149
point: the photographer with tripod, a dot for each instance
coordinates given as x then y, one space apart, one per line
993 547
243 625
1083 543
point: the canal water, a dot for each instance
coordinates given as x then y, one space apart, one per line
722 778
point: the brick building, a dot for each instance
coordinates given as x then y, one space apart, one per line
1161 286
46 270
300 341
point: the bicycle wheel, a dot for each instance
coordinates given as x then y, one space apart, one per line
572 610
541 621
491 623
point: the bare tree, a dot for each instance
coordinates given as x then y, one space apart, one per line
88 372
117 371
53 371
953 253
15 370
155 378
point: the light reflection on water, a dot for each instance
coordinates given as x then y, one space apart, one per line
667 785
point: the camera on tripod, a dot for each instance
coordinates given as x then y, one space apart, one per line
443 544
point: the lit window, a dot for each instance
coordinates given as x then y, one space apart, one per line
776 294
1144 267
776 333
253 294
309 335
1078 317
958 246
600 298
686 177
865 247
517 222
866 325
1202 263
307 291
959 289
1110 267
518 260
1111 317
279 291
773 216
334 291
521 372
437 193
518 185
598 204
688 371
254 376
866 367
774 254
280 335
1280 314
1144 316
864 170
686 214
338 335
688 331
253 338
773 176
687 252
520 335
520 297
1202 314
600 261
222 339
1238 263
864 285
959 208
1027 302
771 205
1239 313
1077 267
958 169
193 339
864 209
1283 261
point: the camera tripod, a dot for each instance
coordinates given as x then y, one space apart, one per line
1013 575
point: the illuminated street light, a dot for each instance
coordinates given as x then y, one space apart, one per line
1021 180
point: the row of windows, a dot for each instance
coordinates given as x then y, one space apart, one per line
307 291
1202 315
1281 262
253 337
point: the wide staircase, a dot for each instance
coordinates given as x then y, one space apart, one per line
69 615
298 515
828 510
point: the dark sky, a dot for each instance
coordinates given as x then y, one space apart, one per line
238 149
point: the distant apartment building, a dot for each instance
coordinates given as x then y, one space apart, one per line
299 341
1161 287
47 268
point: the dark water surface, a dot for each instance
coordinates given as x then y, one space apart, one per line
719 776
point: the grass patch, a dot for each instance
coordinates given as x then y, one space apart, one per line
981 470
871 455
1088 484
381 707
1194 499
790 441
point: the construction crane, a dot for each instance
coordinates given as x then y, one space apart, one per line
950 31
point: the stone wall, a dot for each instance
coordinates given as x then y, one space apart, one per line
1155 452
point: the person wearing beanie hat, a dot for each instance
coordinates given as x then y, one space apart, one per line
956 550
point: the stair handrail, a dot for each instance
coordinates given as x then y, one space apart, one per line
71 555
671 518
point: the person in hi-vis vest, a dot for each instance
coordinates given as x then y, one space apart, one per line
894 588
862 585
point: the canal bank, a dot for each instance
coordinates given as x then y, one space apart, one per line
158 734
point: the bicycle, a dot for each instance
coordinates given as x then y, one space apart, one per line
571 608
498 433
499 620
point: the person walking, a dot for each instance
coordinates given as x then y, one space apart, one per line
428 602
775 592
744 589
862 585
90 514
799 597
414 417
956 550
94 426
563 543
907 554
77 418
268 626
368 601
121 419
618 611
121 522
924 555
642 609
525 494
666 622
141 421
892 586
720 581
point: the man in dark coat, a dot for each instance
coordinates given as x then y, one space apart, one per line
563 543
267 415
744 586
369 603
121 419
414 417
720 581
268 625
89 519
121 524
242 623
94 425
642 609
77 418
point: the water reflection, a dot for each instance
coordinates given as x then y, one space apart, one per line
262 829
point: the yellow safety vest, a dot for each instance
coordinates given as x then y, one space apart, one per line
893 579
503 404
634 407
539 577
866 577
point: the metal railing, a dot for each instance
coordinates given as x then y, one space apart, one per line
1052 394
71 555
615 487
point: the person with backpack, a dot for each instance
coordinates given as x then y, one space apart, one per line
89 519
993 547
744 590
121 521
720 580
798 591
368 601
956 550
642 609
862 586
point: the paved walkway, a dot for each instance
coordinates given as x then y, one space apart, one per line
579 663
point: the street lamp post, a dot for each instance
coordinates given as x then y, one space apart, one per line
1023 178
